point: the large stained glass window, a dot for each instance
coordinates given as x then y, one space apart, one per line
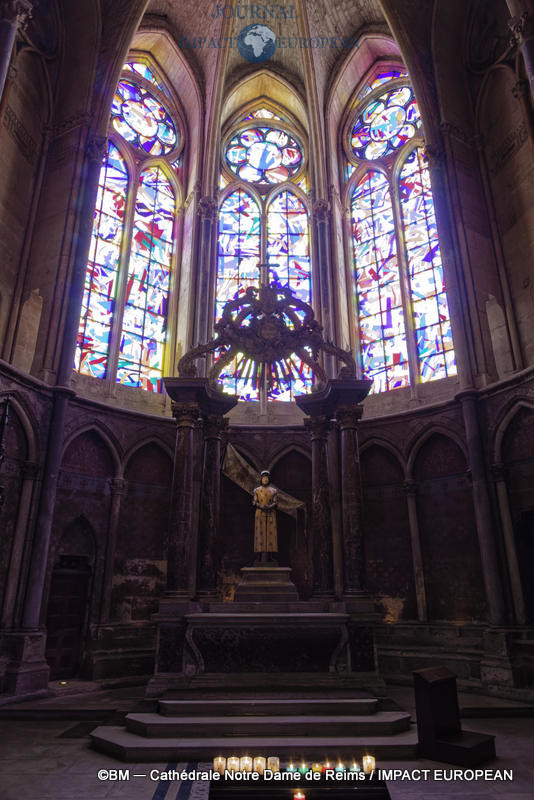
261 221
123 322
403 314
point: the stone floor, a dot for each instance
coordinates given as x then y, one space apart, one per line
36 764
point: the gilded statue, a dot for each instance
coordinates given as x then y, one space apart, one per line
265 500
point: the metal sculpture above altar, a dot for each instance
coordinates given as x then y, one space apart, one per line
267 325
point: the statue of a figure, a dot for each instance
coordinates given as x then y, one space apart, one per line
265 500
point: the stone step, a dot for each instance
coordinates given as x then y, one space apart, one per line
129 746
268 706
383 723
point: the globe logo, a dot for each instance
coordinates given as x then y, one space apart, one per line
256 43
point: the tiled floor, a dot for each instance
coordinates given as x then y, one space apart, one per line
37 765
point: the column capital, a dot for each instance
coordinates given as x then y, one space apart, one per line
498 472
117 485
95 148
348 416
318 427
185 414
208 208
17 12
215 426
409 487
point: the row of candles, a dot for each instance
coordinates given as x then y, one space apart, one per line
260 764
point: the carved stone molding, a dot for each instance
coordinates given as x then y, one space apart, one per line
72 123
521 89
522 28
321 211
318 427
185 414
450 129
208 208
17 12
96 148
348 416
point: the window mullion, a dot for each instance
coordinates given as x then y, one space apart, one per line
413 366
122 280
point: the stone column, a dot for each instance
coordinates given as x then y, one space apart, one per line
353 563
483 511
207 211
14 14
319 427
499 477
410 488
118 486
522 27
214 429
29 476
181 523
321 219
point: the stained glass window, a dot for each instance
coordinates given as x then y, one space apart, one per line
142 120
98 303
383 77
385 124
403 315
382 329
273 229
429 300
264 155
123 319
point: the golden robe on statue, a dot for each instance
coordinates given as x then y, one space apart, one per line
265 500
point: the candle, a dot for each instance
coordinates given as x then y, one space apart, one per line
299 795
273 763
246 764
340 767
369 763
291 768
317 767
355 767
259 764
219 764
233 764
303 768
328 765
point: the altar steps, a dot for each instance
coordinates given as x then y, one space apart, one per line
265 706
131 747
383 723
292 728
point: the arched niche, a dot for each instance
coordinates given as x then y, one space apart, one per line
449 543
264 83
88 454
69 599
141 550
388 560
291 473
518 456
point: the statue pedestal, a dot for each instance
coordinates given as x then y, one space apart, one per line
266 584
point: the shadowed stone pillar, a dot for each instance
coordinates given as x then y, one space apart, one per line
522 27
214 429
353 564
207 212
499 477
180 527
410 489
14 14
319 427
483 511
118 486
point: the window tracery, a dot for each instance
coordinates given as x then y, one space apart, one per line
399 290
263 219
123 322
